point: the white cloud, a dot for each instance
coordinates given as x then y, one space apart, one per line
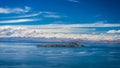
102 24
42 13
97 24
113 31
33 31
24 16
70 25
76 1
83 25
58 24
30 15
14 10
46 12
18 20
52 16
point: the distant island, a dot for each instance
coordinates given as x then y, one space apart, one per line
61 45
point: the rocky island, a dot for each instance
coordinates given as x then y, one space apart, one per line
61 45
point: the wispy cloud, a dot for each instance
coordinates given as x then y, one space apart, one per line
30 15
52 16
46 12
75 1
14 10
18 20
72 25
97 24
42 13
23 16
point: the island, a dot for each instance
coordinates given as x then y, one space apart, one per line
61 45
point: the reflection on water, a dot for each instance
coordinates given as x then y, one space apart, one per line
26 55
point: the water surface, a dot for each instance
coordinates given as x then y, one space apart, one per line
27 55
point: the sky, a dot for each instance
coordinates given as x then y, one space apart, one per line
69 16
37 12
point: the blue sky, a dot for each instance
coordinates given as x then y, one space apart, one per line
37 12
81 16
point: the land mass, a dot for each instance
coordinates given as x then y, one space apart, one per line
61 45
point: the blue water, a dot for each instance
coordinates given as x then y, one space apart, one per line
26 55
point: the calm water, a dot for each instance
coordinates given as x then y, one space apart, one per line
26 55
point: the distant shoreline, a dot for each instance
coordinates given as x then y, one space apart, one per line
54 40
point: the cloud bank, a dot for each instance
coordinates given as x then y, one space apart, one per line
80 25
23 31
114 31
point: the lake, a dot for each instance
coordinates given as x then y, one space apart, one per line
27 55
